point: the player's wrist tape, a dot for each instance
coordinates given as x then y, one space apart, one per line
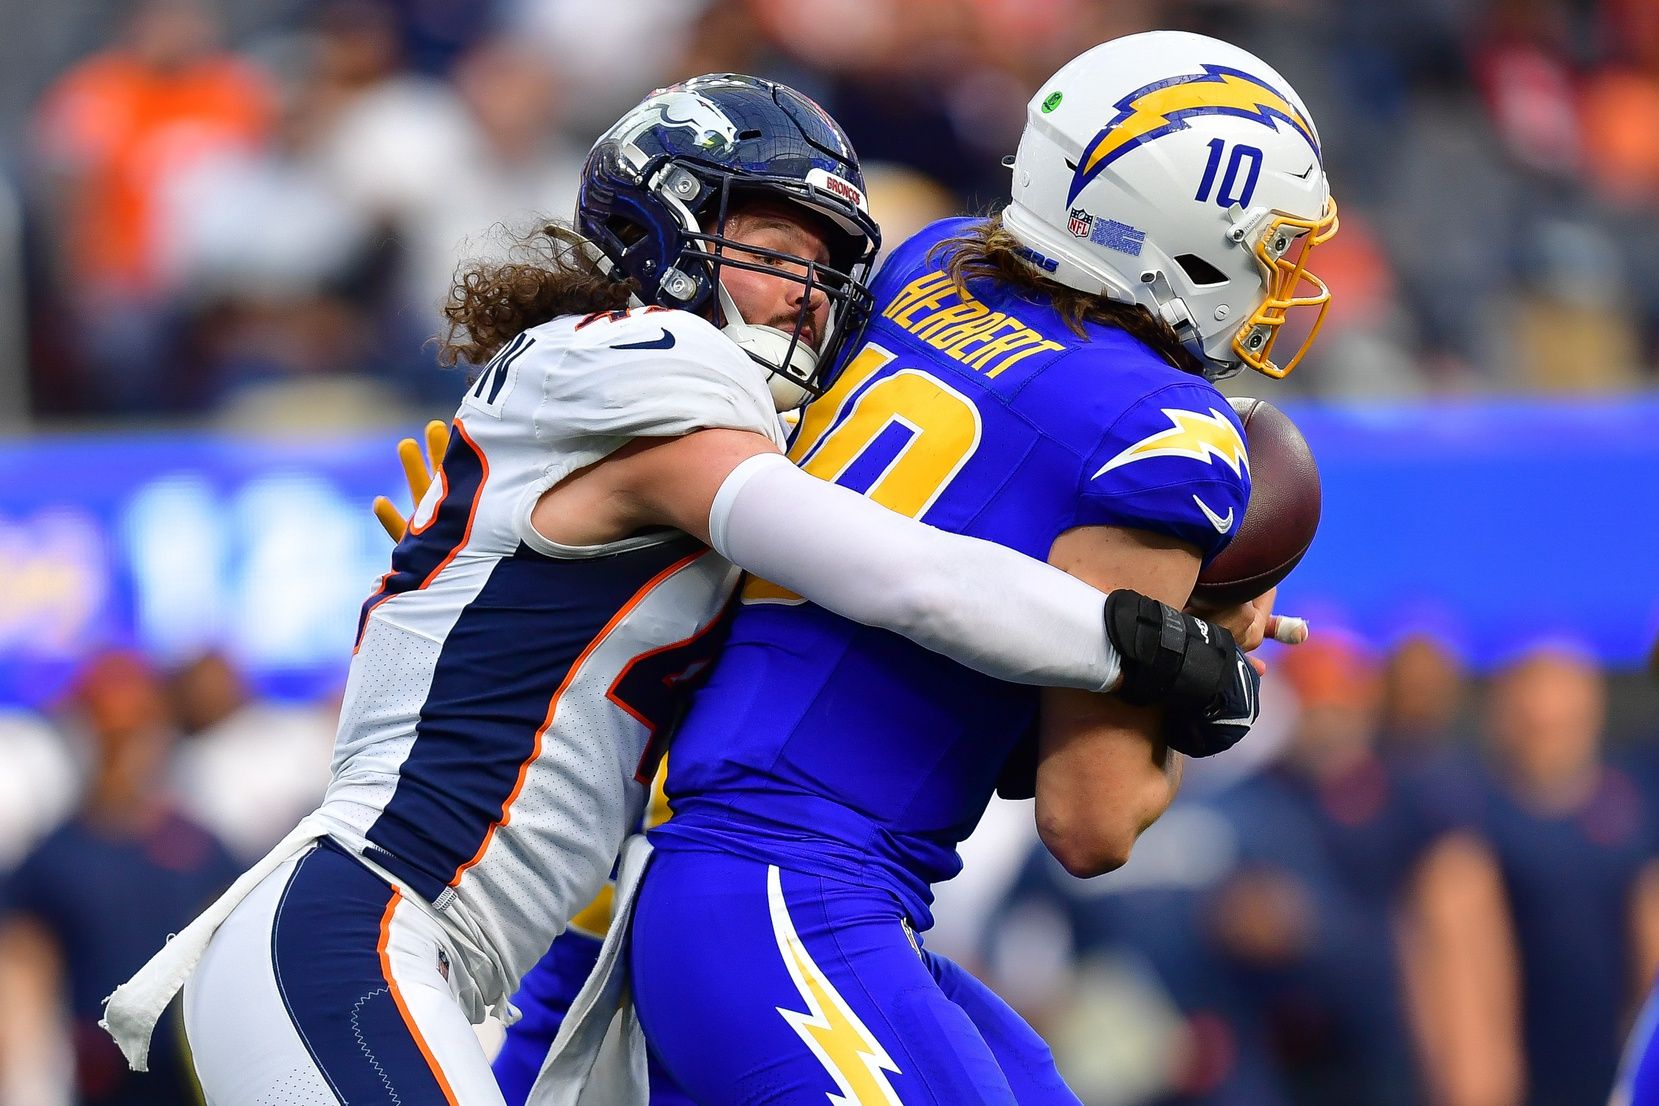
1169 658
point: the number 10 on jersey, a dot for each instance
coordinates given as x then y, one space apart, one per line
920 430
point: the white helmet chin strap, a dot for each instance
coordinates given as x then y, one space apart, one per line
1172 309
770 346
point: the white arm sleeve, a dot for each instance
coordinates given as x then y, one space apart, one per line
981 604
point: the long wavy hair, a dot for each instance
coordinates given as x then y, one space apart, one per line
548 271
987 250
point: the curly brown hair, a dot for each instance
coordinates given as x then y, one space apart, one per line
549 271
987 250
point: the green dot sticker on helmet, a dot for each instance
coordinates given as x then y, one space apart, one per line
1052 101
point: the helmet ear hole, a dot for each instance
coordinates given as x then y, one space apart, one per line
1199 271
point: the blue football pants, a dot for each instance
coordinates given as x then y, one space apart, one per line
759 986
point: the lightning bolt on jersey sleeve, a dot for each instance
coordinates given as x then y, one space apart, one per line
1173 463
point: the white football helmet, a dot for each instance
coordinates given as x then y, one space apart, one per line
1181 173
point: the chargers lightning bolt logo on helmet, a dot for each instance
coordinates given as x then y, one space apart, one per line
1161 108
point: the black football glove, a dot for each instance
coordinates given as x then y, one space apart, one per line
1220 726
1192 668
1169 658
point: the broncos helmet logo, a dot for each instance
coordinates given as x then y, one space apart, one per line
1163 107
710 127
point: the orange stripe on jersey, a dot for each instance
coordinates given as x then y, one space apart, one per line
381 593
553 703
376 597
397 997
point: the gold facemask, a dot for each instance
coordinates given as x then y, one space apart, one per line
1289 284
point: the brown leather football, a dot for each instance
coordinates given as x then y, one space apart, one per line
1279 523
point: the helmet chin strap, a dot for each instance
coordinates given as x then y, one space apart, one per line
1174 311
769 346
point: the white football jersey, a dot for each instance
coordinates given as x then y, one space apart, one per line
494 742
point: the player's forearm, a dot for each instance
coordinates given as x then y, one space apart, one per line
1102 779
976 602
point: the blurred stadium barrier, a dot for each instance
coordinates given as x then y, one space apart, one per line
1491 524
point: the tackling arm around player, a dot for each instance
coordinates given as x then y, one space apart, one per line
516 663
1101 782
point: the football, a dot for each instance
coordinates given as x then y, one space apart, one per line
1279 524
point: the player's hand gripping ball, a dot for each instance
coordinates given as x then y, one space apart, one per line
1279 524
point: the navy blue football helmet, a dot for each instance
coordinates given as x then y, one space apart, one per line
659 184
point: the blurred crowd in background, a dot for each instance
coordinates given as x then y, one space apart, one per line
253 209
1410 886
1407 887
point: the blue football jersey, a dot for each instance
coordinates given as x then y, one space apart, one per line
825 746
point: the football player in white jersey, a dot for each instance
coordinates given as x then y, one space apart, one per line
558 582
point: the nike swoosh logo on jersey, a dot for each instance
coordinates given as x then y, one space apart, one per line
1222 523
664 342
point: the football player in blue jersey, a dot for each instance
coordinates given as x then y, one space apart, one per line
517 664
1042 379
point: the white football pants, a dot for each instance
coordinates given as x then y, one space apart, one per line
326 986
